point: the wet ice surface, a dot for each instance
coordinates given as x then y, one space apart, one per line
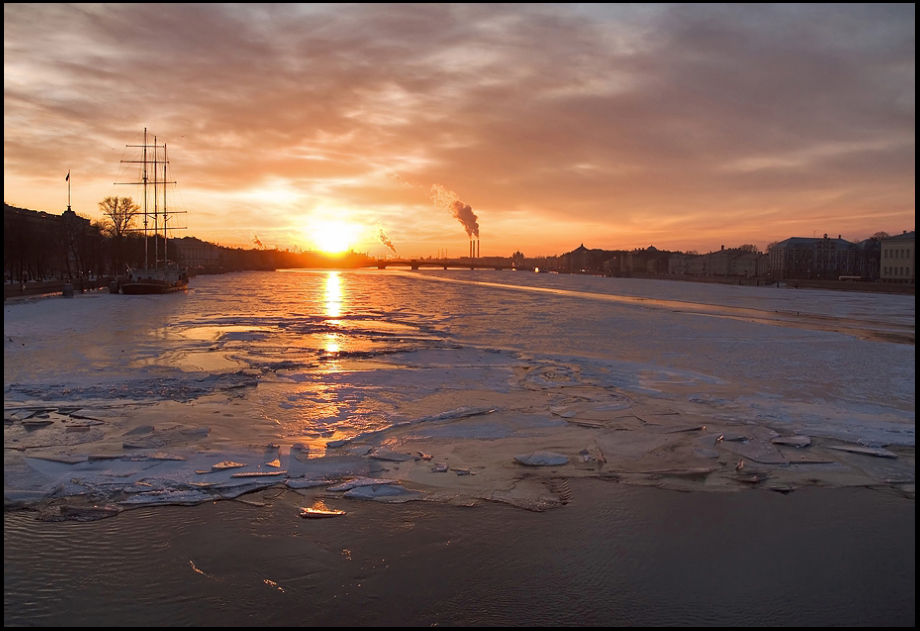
438 380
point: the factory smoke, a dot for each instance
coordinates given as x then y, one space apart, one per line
450 201
384 239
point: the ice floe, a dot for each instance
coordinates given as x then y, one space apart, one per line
355 483
542 459
398 387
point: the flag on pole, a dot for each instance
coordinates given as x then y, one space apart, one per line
67 179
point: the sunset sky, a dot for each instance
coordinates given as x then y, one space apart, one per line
685 127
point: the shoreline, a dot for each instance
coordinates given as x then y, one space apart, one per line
36 289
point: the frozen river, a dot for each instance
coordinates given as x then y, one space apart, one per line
437 379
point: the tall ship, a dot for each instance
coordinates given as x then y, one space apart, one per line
159 275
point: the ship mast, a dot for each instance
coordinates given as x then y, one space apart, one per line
165 233
146 265
156 223
144 178
147 161
166 217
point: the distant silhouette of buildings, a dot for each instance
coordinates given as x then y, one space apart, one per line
201 257
742 262
612 262
898 258
196 254
39 245
812 258
868 256
888 259
825 258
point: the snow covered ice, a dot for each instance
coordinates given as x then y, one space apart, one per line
312 378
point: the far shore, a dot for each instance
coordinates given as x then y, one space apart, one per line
12 290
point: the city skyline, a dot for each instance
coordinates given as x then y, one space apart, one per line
539 127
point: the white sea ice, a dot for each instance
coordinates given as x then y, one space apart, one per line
243 360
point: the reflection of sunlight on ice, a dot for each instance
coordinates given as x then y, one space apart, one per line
214 333
318 411
193 361
324 357
333 295
332 343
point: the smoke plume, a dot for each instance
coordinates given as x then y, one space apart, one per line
384 238
450 201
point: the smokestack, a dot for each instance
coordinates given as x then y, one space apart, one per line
477 248
450 201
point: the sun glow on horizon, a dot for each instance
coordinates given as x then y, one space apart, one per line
332 237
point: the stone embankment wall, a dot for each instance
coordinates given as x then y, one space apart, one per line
38 288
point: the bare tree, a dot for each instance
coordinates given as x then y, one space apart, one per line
119 215
118 223
880 235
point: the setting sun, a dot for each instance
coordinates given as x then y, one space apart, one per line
332 237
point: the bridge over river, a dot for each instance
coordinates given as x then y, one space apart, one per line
440 264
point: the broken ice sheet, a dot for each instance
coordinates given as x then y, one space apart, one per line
223 465
868 451
351 484
441 373
542 459
383 492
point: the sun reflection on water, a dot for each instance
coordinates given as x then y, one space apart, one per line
333 295
334 298
332 343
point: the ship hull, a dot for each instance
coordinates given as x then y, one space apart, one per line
152 287
162 280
